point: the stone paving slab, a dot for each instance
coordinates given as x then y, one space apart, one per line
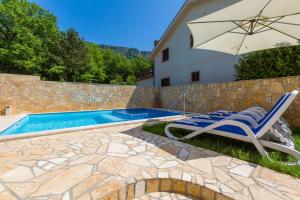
125 163
7 121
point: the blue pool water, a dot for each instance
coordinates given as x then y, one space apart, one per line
55 121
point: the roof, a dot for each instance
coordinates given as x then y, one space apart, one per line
171 27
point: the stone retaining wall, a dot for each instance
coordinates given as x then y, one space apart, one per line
235 96
29 94
20 78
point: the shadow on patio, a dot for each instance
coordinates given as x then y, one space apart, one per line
171 147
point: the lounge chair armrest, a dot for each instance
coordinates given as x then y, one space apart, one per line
224 122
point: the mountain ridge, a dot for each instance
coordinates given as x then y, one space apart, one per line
128 52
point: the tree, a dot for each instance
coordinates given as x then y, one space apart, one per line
140 64
30 43
27 33
115 66
131 80
278 62
74 54
96 72
118 80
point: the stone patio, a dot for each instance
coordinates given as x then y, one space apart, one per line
126 163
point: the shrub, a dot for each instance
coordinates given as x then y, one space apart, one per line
278 62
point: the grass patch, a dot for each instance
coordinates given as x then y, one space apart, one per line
235 148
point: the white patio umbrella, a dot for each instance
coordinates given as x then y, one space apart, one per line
249 25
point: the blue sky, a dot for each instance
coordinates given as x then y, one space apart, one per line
130 23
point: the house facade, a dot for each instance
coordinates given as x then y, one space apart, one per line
177 63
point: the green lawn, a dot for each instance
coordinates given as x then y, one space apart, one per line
237 149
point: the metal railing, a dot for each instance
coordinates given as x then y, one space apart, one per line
182 95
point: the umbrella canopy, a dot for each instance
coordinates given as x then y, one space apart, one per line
249 25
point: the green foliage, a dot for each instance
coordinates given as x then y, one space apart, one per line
27 33
74 54
30 43
127 52
235 148
96 72
56 73
284 61
120 70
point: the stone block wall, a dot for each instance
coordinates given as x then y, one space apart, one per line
29 94
235 96
19 78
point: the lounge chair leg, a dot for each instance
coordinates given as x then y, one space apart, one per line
169 134
283 148
260 148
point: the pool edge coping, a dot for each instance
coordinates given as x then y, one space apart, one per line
16 119
76 129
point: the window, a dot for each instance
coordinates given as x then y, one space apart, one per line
165 55
195 76
165 82
191 41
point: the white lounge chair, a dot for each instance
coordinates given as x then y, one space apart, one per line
249 131
250 114
254 110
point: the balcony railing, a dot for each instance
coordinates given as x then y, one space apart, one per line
145 74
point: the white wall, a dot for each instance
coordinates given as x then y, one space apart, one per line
213 66
146 83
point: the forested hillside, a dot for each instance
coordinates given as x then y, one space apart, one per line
127 52
31 43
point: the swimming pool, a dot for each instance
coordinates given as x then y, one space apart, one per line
57 121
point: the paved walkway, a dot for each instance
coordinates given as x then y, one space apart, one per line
125 162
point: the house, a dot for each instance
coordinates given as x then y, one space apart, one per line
177 63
